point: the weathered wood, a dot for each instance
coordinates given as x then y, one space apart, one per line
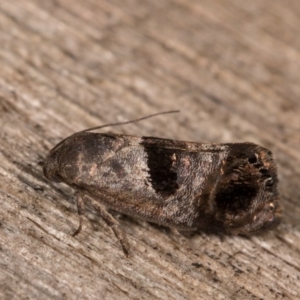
232 67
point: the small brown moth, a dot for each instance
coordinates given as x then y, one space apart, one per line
228 188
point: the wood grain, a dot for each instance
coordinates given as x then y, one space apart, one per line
230 66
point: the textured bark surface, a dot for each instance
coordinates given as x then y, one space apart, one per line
231 67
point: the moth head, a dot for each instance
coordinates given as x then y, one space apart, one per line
246 198
51 165
59 156
72 158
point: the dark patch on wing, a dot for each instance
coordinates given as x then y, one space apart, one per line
243 175
236 197
162 168
117 168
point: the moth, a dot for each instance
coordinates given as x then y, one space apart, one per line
225 188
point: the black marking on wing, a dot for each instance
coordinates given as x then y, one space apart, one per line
162 168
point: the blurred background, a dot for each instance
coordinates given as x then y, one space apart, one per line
231 67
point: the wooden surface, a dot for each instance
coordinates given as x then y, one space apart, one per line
231 67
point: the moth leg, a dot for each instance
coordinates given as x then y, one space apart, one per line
81 210
111 222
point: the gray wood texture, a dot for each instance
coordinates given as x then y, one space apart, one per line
231 67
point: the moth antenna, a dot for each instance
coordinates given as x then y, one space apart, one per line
120 123
131 121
